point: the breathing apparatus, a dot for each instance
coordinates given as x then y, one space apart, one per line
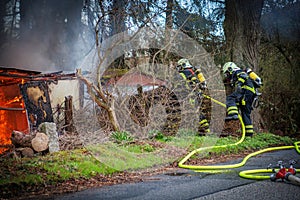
257 82
256 79
185 64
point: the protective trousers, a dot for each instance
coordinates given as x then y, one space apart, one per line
242 102
204 116
203 124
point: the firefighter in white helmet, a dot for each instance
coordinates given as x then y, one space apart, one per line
195 81
241 99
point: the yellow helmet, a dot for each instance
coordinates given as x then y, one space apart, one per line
229 67
184 63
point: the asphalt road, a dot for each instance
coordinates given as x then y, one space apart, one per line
186 184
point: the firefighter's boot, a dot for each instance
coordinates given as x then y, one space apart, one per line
231 117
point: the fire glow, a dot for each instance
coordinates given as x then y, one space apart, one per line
12 114
25 100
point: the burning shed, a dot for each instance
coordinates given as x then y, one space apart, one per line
29 98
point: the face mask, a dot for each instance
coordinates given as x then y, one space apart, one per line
227 75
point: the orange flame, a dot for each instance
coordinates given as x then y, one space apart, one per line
16 99
11 119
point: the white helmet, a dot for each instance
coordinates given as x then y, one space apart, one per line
229 67
184 63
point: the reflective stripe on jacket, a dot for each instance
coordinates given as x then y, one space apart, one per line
242 78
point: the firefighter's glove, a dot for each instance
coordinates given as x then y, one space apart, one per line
199 97
203 85
238 89
200 94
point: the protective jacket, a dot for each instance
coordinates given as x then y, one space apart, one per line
193 77
242 98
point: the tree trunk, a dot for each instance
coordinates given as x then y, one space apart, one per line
20 139
2 22
169 17
233 32
105 102
118 16
242 31
168 27
26 152
40 142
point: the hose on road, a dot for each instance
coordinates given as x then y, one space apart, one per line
249 174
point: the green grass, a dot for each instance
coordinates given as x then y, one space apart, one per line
115 157
121 136
126 157
143 148
52 168
257 142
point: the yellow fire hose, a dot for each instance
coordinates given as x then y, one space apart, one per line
245 174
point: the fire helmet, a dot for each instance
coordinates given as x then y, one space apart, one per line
184 63
229 67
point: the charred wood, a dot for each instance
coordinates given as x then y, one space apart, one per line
69 114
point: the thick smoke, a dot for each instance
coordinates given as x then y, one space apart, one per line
28 56
50 44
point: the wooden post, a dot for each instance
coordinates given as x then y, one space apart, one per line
69 114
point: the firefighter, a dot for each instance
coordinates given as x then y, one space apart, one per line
196 82
241 99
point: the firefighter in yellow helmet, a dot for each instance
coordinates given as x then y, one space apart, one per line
196 82
241 99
